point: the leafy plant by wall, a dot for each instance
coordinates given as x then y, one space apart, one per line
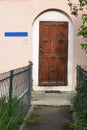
80 101
75 8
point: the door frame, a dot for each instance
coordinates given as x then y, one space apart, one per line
52 15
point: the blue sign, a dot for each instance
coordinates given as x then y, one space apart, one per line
16 34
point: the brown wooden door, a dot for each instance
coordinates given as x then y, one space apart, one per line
53 51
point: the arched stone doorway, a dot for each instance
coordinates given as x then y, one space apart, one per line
52 16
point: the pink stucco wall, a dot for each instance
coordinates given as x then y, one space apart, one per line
19 15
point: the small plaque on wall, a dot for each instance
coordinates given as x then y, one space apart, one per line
16 34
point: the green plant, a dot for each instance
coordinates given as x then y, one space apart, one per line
80 105
33 119
27 129
74 126
7 121
82 31
75 9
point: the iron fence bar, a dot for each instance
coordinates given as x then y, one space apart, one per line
30 81
78 74
10 93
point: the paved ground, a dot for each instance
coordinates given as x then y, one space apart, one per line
51 118
53 109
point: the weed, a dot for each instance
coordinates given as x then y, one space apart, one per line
27 129
74 126
32 120
10 117
71 110
80 104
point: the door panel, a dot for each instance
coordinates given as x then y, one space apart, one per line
53 49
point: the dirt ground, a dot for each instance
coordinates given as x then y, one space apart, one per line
51 118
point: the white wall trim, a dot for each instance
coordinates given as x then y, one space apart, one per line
52 15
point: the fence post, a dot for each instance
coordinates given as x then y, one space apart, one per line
10 94
78 75
30 81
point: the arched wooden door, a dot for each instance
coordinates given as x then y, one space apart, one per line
53 53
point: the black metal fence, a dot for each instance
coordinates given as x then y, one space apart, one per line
81 79
17 85
80 101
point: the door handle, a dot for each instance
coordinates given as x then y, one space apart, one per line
41 50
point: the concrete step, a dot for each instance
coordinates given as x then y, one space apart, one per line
52 98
